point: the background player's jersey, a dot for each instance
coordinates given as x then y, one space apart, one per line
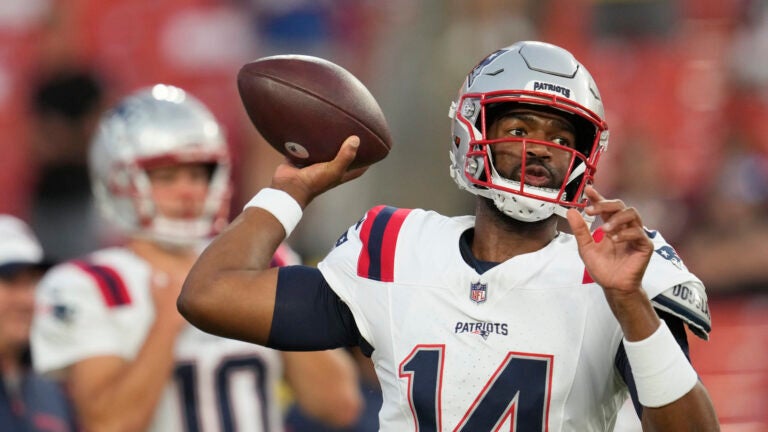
528 345
103 306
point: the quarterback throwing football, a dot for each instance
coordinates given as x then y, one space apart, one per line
495 321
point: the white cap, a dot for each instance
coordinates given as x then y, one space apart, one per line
19 248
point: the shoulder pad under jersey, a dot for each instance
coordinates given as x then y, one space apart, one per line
687 301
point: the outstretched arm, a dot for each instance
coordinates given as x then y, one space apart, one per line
617 263
230 290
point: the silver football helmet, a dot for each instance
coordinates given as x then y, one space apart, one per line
535 74
158 126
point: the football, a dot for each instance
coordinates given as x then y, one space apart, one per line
306 106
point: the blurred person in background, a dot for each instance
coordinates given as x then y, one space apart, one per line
66 105
728 247
108 324
728 243
28 401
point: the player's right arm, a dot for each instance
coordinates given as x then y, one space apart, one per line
231 289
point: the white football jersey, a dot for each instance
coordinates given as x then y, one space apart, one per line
528 345
103 306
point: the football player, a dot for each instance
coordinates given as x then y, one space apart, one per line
108 322
495 321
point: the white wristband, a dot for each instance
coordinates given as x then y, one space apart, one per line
282 206
662 372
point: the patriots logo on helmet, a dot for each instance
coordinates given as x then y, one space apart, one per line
669 254
480 66
478 292
553 88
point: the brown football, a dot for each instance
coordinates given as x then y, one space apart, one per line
305 107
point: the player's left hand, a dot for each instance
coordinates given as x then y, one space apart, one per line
617 262
165 289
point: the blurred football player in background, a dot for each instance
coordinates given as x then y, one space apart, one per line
28 401
108 323
485 322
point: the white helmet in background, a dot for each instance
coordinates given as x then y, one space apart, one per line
534 74
157 126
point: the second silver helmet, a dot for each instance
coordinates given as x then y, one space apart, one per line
153 126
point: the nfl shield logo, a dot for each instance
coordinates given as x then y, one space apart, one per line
478 291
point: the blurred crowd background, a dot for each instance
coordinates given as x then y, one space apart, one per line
685 85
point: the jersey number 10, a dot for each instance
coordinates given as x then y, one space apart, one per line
186 376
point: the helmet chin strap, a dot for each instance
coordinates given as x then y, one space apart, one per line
562 210
177 233
579 170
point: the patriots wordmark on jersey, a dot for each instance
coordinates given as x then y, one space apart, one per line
528 345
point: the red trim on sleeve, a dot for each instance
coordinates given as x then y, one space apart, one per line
110 283
389 244
364 260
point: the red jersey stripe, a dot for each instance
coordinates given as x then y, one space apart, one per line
110 283
364 260
389 244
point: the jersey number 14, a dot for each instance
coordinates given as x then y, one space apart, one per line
518 390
